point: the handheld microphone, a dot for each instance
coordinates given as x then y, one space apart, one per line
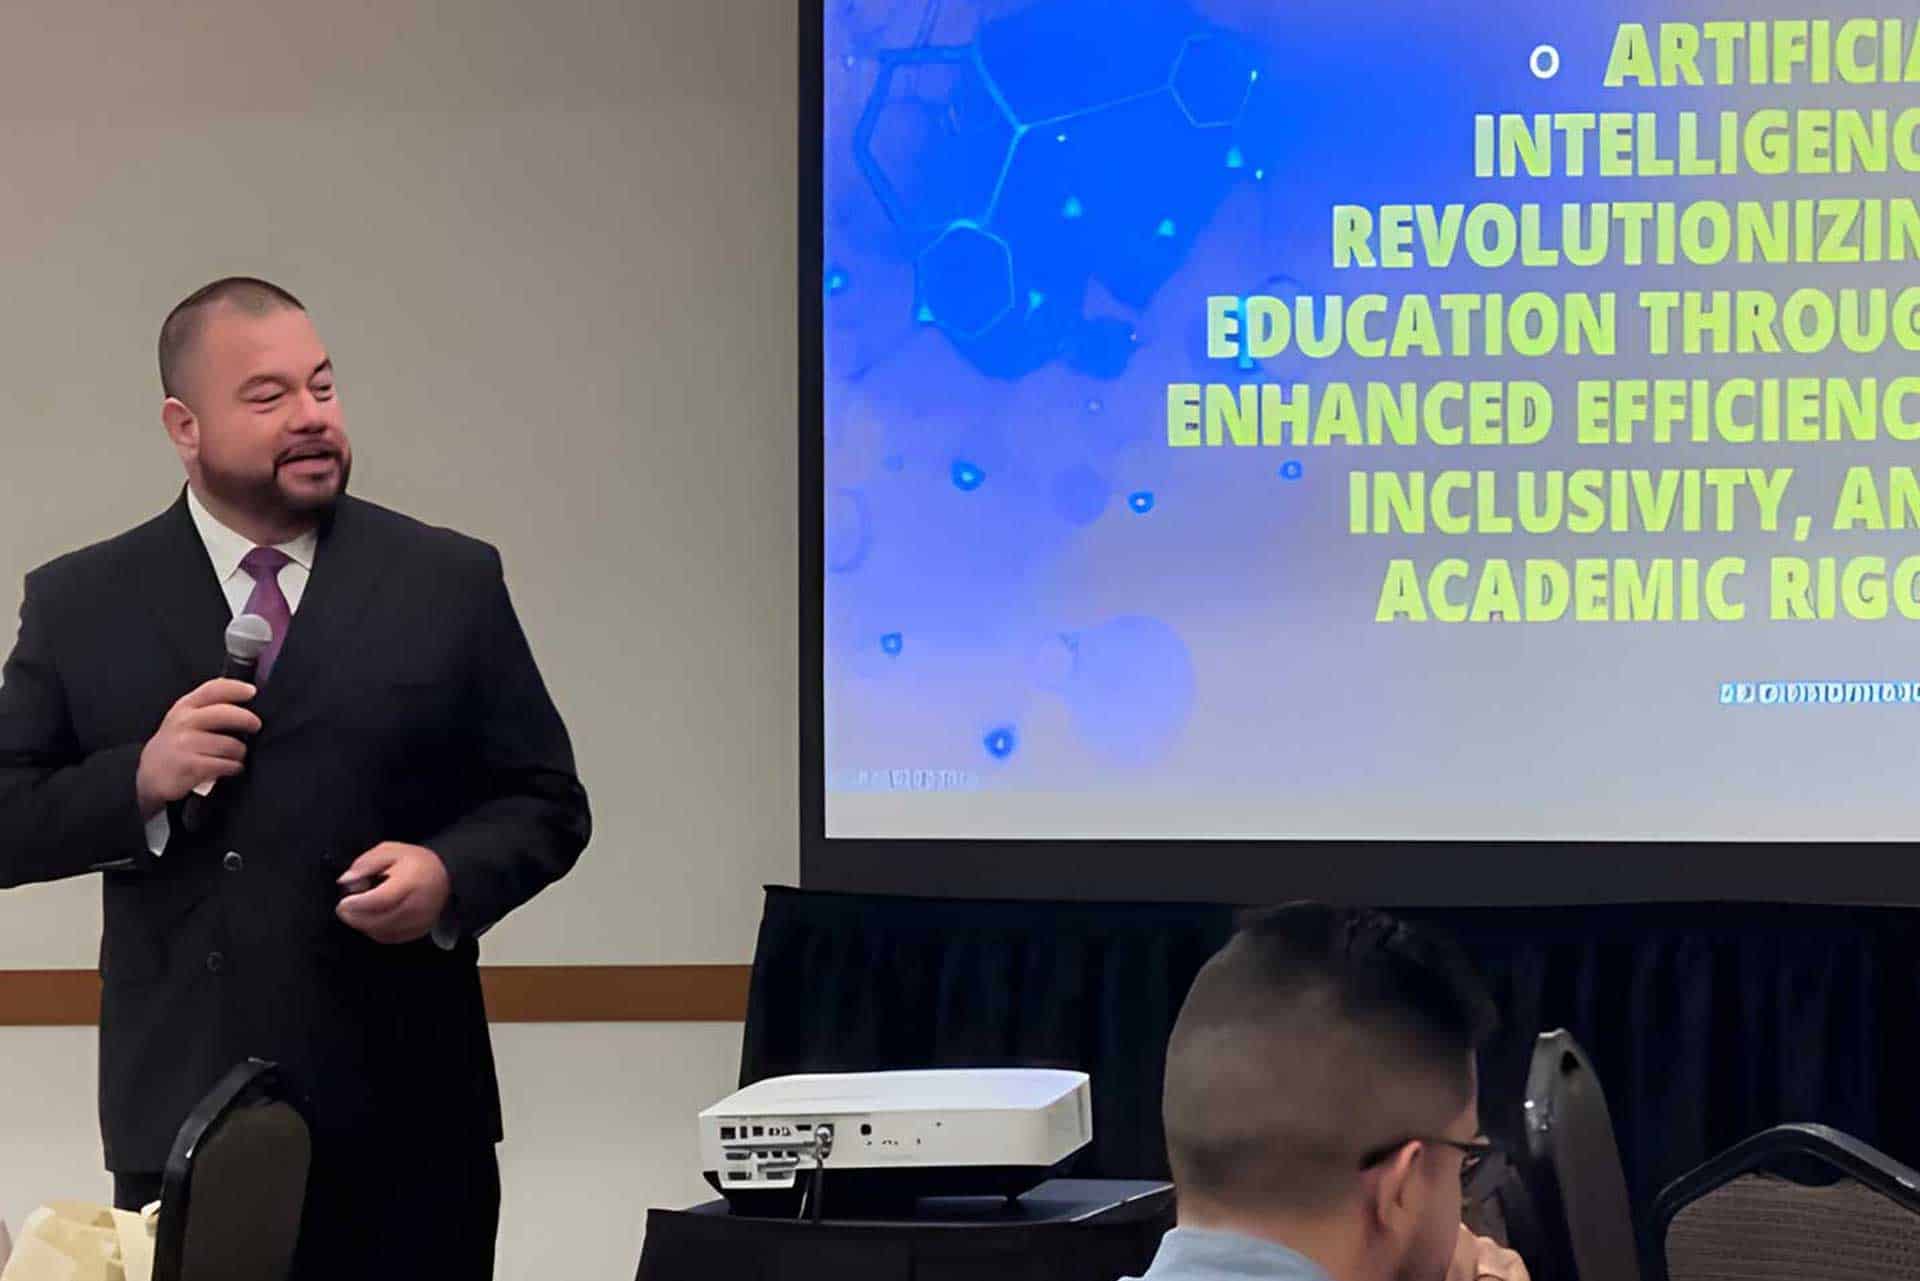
247 638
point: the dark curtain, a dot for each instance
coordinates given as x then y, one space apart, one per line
1705 1022
693 1246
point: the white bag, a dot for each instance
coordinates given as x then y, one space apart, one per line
73 1241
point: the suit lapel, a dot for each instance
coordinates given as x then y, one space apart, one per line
347 569
189 609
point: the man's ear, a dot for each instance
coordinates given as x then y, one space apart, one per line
183 428
1393 1201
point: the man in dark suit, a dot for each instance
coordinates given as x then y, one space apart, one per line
396 783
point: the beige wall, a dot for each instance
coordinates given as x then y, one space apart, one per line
551 248
554 258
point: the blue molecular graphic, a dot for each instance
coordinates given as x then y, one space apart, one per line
966 280
1292 469
967 477
1064 146
892 643
836 281
1213 79
1141 501
1001 742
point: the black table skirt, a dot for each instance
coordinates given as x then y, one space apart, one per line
1705 1022
708 1244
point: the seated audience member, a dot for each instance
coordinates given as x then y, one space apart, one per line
1320 1106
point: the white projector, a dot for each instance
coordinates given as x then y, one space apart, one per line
881 1140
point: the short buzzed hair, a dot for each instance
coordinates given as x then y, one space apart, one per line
1315 1037
180 332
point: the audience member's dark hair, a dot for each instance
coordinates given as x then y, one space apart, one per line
1318 1034
181 329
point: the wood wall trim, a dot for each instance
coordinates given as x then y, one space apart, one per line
616 993
49 998
515 994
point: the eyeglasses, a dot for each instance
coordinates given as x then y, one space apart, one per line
1474 1151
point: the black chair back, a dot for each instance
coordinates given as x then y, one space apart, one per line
1498 1205
231 1197
1794 1202
1576 1191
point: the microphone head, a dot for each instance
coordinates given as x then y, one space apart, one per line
248 637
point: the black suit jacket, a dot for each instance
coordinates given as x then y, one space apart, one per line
405 705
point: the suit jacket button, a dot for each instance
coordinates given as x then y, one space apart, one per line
233 862
215 962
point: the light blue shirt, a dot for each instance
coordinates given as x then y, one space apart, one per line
1202 1254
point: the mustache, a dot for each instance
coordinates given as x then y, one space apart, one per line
309 449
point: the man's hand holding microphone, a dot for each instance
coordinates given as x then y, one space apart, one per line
197 744
393 893
201 740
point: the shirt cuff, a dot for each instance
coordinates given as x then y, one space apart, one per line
159 830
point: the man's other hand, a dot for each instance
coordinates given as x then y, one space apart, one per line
1483 1259
199 740
407 900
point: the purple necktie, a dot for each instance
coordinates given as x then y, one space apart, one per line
265 564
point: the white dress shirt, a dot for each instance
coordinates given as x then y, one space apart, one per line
226 549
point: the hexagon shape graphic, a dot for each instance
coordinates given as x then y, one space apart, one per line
1213 78
933 140
966 280
1056 59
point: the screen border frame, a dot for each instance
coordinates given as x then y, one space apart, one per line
1386 873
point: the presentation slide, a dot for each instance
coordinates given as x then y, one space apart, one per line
1398 420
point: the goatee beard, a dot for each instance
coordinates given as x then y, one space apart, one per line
263 496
